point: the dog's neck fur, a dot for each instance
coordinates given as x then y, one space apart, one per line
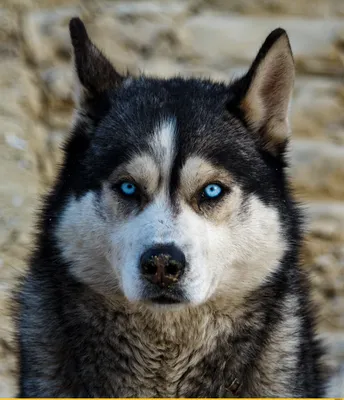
190 337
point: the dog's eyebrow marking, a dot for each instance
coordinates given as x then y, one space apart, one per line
197 171
163 146
143 169
153 168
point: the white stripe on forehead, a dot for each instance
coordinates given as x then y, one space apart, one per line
163 145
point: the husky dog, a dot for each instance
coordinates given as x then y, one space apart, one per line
166 260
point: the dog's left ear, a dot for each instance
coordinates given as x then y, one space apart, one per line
266 92
95 73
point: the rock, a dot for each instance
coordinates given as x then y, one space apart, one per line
59 85
144 27
124 41
106 33
157 12
9 28
41 146
21 89
326 220
334 341
11 73
32 97
60 118
219 40
46 34
17 163
161 66
316 109
11 266
9 32
327 277
309 8
318 167
56 139
165 67
139 35
336 387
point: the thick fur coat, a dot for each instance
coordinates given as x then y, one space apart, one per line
197 168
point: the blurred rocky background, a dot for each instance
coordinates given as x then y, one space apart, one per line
216 38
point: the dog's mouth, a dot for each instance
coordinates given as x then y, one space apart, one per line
165 300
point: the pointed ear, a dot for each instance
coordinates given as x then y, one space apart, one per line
95 73
266 92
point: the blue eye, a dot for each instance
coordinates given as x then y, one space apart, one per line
212 191
128 188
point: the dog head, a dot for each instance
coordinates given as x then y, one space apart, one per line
175 190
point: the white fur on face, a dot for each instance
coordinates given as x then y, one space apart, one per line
228 252
154 225
84 239
233 257
163 147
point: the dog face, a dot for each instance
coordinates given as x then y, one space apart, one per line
176 188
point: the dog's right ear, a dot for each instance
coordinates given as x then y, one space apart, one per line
95 73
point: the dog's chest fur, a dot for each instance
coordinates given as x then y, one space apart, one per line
85 347
135 355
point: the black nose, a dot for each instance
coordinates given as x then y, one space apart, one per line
163 265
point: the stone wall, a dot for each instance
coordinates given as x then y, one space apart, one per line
216 38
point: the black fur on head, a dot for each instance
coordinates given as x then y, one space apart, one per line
241 125
252 108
